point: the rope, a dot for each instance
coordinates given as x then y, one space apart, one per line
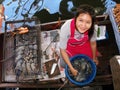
63 84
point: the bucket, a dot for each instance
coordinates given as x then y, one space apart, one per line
86 70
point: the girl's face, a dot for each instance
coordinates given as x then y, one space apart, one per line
83 22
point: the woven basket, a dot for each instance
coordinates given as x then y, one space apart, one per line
115 69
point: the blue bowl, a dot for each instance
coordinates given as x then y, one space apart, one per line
89 77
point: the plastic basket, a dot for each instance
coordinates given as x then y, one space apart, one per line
89 78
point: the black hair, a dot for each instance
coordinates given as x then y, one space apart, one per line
90 10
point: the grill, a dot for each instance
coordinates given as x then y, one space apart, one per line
21 51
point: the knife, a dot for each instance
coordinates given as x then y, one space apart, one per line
53 68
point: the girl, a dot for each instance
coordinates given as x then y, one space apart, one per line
77 37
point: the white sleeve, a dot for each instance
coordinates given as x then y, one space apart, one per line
94 37
64 34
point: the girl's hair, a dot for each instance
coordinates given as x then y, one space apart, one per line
89 10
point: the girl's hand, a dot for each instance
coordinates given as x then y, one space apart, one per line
96 61
74 72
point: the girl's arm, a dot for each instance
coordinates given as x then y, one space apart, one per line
94 51
67 61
